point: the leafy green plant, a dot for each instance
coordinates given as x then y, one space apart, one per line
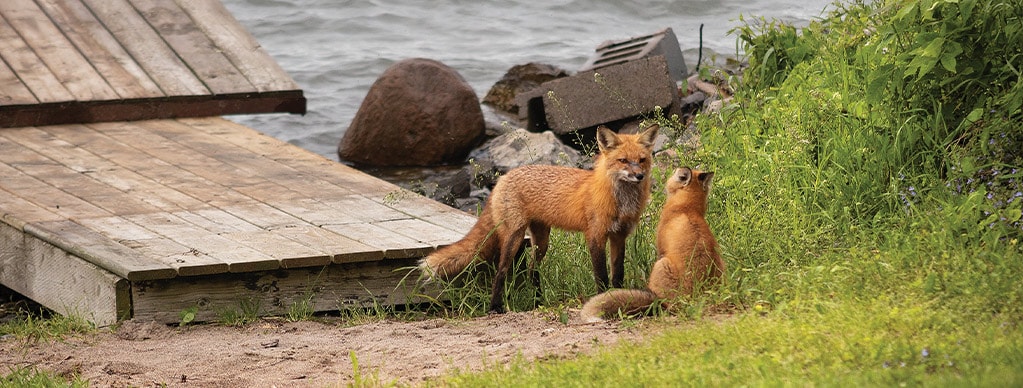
187 316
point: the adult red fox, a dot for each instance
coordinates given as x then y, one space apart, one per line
687 251
604 204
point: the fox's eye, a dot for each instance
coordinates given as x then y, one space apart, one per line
642 160
623 160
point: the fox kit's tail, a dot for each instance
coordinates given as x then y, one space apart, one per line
614 302
481 241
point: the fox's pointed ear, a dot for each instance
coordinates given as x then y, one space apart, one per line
684 175
648 136
606 138
705 178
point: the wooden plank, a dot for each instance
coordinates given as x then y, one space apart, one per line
158 181
262 215
12 248
17 211
418 206
340 206
456 220
55 51
104 52
43 195
216 221
363 209
238 45
312 211
339 248
12 90
256 163
148 142
186 261
70 112
89 178
98 249
422 231
310 164
238 257
291 254
393 245
43 84
329 288
342 249
88 189
61 281
139 39
193 46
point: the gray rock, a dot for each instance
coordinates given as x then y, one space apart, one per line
519 148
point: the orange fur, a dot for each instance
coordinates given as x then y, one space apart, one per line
686 248
604 204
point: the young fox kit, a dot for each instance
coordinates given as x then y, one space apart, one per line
687 251
604 204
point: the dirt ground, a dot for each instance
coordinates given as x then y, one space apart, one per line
277 353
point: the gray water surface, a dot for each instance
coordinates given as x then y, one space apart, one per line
336 49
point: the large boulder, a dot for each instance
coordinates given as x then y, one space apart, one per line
420 112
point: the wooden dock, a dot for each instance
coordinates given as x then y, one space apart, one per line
124 195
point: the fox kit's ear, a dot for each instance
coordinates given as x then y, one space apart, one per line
684 175
705 178
648 136
606 138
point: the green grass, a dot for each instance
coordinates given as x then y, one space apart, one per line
877 342
31 327
867 201
31 377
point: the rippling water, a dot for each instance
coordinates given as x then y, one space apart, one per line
335 49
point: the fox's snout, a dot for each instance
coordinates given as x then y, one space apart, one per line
633 173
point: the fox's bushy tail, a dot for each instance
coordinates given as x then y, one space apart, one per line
614 302
481 241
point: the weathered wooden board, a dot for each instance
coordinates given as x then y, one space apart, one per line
140 204
329 288
206 201
104 52
99 250
80 61
238 45
24 63
186 261
61 281
57 53
196 49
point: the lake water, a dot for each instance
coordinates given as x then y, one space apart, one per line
336 49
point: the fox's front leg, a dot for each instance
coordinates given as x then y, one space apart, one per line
597 246
617 241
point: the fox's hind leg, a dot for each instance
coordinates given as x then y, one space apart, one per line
509 248
540 235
